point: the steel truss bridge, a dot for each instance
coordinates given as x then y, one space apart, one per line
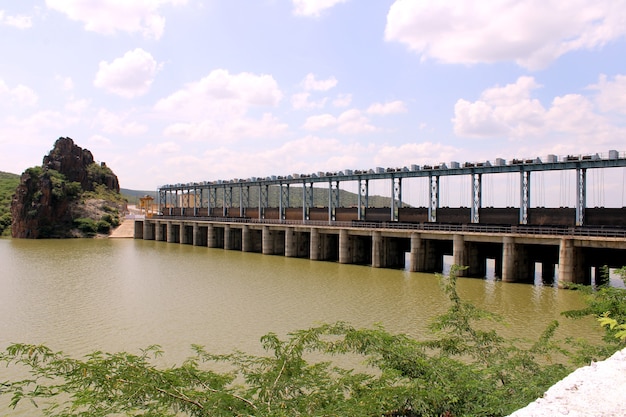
174 199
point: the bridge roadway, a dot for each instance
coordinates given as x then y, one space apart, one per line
573 255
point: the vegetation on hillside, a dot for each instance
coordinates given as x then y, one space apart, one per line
8 184
97 211
462 370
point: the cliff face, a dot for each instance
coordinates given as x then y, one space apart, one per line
46 201
73 162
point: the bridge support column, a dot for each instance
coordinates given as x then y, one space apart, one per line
476 261
345 251
291 249
377 250
182 235
246 239
547 272
148 233
509 264
171 233
516 265
459 254
314 248
571 263
417 255
211 241
433 259
158 231
138 230
228 244
268 241
196 235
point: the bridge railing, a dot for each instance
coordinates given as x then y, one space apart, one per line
436 227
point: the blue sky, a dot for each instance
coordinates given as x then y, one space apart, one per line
171 91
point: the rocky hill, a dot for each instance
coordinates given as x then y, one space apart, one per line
69 195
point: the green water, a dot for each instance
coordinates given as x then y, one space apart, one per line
110 294
81 295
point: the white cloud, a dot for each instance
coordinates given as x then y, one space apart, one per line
342 100
77 105
611 94
301 101
313 7
320 121
268 127
501 111
217 107
19 95
413 153
310 83
349 122
99 140
118 124
43 120
510 112
304 155
66 82
110 16
221 95
532 33
129 76
163 148
19 21
387 108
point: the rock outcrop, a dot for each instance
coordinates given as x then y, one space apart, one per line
48 199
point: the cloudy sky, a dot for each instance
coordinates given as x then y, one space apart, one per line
169 91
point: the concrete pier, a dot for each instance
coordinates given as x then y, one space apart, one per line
514 256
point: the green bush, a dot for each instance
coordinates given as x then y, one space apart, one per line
113 220
87 226
103 226
5 224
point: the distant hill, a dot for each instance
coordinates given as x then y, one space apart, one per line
8 176
8 184
320 197
133 196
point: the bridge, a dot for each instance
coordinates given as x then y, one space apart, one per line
569 244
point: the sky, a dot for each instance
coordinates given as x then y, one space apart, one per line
169 91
